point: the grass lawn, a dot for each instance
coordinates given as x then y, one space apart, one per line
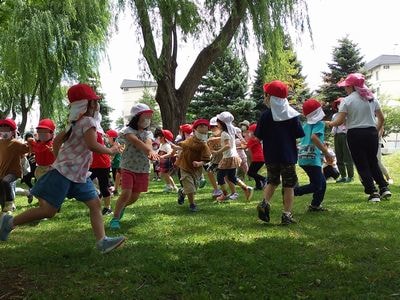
221 252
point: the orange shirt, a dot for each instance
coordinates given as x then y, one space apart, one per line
193 149
11 152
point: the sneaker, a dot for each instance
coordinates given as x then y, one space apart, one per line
216 193
374 197
5 227
341 180
30 197
202 183
9 206
193 208
114 224
287 219
349 179
221 198
263 209
385 193
390 181
181 196
248 193
167 189
233 196
313 208
108 244
106 211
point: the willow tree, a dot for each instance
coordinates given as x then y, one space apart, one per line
45 42
212 24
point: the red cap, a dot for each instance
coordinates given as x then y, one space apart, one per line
186 128
10 123
167 134
81 91
253 127
112 133
200 122
276 88
336 103
310 105
46 124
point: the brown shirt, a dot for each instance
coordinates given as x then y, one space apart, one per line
11 152
193 149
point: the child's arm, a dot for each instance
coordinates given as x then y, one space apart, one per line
90 138
225 147
145 147
315 139
339 120
58 141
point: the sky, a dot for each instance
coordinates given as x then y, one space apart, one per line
373 25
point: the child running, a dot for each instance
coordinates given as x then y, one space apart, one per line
230 159
135 164
11 152
257 157
111 139
279 127
69 177
310 160
194 154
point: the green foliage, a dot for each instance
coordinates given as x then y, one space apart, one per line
284 67
346 59
148 98
44 42
392 119
223 88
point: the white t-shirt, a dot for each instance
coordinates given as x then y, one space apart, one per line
360 113
166 147
232 151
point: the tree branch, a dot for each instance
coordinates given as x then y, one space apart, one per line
149 48
212 51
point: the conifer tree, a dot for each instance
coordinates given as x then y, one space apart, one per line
223 88
346 59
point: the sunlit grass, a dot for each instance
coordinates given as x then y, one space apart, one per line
222 251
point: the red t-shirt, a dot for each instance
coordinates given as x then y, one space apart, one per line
255 149
100 160
43 152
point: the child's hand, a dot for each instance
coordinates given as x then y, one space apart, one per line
329 158
153 155
197 164
116 148
328 123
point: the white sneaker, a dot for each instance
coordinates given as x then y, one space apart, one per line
390 181
233 196
9 206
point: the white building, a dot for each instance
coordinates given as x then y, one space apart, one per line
132 92
384 72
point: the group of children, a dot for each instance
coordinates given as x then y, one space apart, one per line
66 165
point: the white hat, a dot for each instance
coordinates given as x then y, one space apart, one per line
139 108
213 121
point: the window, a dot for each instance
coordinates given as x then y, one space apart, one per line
377 75
385 67
126 89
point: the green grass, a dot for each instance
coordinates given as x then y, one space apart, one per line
221 252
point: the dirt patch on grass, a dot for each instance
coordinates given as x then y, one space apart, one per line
15 284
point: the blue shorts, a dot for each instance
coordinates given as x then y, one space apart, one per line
54 188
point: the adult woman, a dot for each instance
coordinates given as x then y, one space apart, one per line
364 119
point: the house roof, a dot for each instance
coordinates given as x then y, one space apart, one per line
128 83
383 60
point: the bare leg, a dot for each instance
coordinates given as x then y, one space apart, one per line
212 180
191 198
269 191
122 202
96 218
288 197
107 201
134 197
45 210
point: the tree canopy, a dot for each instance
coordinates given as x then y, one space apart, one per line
44 43
214 24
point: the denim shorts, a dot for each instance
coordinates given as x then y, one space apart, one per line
54 188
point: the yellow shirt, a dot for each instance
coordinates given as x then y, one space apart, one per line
193 149
11 152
